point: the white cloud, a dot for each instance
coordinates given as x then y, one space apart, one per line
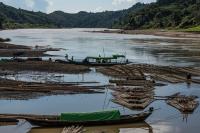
129 2
118 2
98 9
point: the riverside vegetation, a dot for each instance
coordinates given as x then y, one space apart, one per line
163 14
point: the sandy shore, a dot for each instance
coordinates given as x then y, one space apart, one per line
165 33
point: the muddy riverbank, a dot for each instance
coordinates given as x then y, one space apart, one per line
43 66
19 90
165 33
13 50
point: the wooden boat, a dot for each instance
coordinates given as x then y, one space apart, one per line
98 61
8 120
56 122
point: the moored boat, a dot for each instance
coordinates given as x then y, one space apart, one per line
103 118
98 61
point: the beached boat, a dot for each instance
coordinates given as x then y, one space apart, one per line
98 61
90 119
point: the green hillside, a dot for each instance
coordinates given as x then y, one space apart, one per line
163 14
18 18
174 14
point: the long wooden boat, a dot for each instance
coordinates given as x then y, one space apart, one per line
98 61
8 120
92 63
56 122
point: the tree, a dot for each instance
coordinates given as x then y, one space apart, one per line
1 25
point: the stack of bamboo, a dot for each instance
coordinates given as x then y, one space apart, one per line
183 103
73 129
133 97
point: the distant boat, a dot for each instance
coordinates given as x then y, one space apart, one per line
99 61
89 119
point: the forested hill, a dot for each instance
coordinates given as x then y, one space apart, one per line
11 17
161 14
164 14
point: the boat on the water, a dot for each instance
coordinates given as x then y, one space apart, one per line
98 61
90 119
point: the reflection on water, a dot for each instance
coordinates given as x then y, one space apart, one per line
92 77
165 119
149 49
131 128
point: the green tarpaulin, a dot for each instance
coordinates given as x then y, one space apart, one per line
95 116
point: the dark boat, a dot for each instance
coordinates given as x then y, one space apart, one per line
98 61
8 120
56 122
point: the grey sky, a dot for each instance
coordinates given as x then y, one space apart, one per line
73 6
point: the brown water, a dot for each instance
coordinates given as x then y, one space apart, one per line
81 44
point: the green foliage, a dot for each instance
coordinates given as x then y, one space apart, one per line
193 29
170 14
164 14
18 18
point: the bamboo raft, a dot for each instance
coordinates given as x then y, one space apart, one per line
185 104
133 105
134 90
132 95
132 82
170 74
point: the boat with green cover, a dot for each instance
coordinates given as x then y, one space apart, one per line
98 61
90 119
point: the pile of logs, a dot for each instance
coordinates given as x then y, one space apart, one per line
185 104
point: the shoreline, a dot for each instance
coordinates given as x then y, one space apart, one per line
164 33
11 50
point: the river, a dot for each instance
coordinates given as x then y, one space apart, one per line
79 44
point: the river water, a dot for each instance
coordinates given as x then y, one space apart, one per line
77 43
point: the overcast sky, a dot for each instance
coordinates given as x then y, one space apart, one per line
73 6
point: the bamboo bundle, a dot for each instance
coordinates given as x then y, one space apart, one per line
167 78
133 95
132 105
134 90
192 71
73 129
136 72
132 82
134 100
183 103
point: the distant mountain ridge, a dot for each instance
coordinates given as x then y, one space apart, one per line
11 17
174 14
160 14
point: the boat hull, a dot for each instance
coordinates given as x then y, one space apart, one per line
123 120
91 64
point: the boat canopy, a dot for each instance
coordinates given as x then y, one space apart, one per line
118 56
95 116
106 58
